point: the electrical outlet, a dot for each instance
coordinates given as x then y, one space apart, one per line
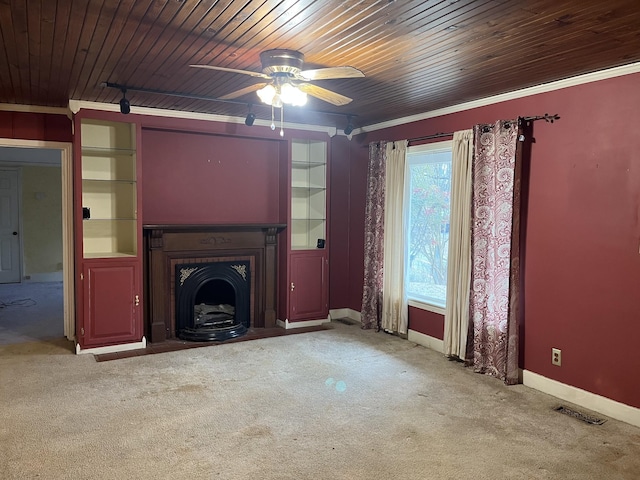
556 356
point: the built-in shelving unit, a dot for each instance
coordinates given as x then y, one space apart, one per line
109 189
308 193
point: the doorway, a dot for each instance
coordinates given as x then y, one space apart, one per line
39 303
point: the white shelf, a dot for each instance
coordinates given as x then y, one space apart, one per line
109 189
308 193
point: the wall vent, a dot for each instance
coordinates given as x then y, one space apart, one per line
580 416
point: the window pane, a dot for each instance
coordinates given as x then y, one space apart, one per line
428 230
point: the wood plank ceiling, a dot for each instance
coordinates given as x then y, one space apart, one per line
417 55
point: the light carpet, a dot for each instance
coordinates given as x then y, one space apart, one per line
336 404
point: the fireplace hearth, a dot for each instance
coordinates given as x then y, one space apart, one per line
208 253
212 300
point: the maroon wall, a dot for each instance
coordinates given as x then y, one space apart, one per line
191 178
426 322
582 267
35 126
358 182
339 231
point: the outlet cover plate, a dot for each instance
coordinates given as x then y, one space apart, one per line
556 356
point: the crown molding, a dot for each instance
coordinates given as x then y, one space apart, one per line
76 105
525 92
14 107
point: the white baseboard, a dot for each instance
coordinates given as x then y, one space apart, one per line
305 323
426 341
345 313
577 396
112 348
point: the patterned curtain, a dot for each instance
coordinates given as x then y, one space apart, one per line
371 311
495 252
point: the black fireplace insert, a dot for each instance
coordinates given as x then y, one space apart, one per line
212 300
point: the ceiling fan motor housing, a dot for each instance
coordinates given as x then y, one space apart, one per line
281 61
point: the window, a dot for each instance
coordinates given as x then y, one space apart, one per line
428 192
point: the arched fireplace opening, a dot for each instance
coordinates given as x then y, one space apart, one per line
212 300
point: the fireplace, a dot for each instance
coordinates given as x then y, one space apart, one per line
186 265
212 300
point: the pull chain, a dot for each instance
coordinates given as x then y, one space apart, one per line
282 120
273 123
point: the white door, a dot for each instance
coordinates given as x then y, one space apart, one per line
9 222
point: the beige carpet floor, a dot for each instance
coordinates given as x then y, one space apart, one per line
336 404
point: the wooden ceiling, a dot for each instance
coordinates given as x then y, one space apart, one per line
417 55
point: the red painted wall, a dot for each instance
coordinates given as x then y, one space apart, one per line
35 126
358 183
582 263
339 233
191 178
426 322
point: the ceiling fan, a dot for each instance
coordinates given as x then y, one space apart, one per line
286 82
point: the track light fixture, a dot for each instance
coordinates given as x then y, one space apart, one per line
125 105
349 128
251 117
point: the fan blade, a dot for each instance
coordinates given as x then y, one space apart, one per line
242 91
324 94
331 72
232 70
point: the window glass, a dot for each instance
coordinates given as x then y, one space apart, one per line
428 202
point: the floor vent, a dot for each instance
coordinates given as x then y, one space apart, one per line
580 416
346 321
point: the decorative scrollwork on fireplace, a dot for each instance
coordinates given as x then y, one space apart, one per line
185 272
215 240
242 271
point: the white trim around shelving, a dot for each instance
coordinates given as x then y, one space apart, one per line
15 107
76 105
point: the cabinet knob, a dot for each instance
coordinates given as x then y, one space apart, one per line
292 286
137 300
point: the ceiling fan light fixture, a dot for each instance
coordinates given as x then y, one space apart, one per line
282 93
292 95
267 93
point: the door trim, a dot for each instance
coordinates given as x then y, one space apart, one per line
68 276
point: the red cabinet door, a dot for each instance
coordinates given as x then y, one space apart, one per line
111 304
309 289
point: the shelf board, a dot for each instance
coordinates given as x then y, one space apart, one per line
304 165
109 254
105 181
307 219
307 188
107 152
112 219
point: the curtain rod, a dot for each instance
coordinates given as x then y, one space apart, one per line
546 117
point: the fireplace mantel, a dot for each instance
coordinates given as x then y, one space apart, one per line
169 245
